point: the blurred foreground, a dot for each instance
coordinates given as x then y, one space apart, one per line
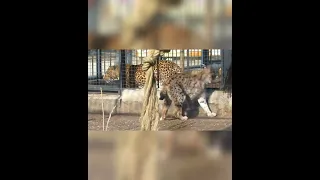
166 155
173 24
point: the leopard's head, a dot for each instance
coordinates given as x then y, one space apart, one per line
112 74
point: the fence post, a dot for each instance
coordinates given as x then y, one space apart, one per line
122 69
99 64
188 59
205 56
226 65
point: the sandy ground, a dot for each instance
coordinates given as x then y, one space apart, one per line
131 122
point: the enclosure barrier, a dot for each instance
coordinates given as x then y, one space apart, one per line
122 65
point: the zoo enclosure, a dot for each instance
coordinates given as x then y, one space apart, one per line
189 60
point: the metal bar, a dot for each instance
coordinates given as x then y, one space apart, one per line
226 58
205 56
228 69
98 66
182 59
223 68
122 72
158 71
202 56
92 63
188 59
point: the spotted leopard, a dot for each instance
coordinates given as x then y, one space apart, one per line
135 76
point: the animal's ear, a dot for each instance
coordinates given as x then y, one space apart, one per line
220 72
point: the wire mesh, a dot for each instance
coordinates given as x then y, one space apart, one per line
99 61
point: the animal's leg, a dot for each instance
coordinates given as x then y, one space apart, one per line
188 106
175 93
203 103
166 105
178 102
178 113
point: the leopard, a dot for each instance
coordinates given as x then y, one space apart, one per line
113 73
166 69
186 87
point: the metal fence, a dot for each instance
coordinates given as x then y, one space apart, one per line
122 66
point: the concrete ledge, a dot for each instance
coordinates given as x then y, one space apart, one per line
132 99
95 101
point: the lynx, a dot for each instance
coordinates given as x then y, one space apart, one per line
186 87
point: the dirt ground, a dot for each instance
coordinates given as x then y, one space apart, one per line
131 122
